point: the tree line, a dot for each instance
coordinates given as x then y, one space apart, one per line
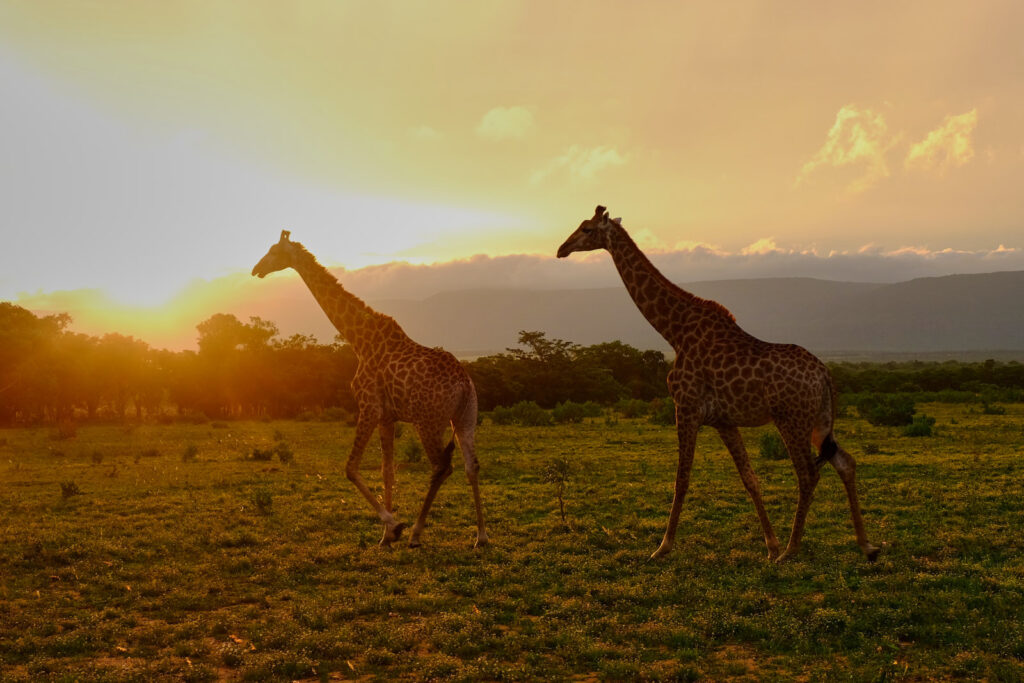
246 369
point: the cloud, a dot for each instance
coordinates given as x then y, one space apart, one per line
424 133
505 123
859 138
765 245
949 145
582 164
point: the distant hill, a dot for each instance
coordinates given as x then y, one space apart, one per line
958 314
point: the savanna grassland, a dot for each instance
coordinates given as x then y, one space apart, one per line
142 552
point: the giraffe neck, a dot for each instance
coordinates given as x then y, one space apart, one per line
670 309
354 320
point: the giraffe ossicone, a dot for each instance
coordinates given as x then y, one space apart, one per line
396 380
725 378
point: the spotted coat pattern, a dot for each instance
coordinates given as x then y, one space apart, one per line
396 380
724 378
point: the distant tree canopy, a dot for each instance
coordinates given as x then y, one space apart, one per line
549 371
241 369
245 369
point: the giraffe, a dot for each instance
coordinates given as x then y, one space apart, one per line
725 378
396 380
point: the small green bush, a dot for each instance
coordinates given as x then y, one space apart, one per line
68 489
65 430
263 500
190 453
892 410
335 414
632 407
261 455
921 426
573 412
284 453
992 409
772 446
524 413
557 472
412 450
663 412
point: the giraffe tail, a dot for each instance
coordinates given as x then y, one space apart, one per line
828 448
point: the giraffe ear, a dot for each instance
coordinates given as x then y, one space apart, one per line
285 235
617 220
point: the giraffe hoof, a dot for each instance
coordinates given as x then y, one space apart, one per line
393 534
660 552
871 552
787 555
481 543
414 543
773 554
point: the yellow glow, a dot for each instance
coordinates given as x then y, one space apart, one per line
428 132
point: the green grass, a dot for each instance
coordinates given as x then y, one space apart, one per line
219 566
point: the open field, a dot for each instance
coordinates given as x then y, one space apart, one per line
203 563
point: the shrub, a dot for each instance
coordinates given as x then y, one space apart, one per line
632 407
893 410
412 451
921 426
68 489
872 448
525 413
65 430
772 447
263 455
573 412
335 414
190 453
991 409
284 453
263 501
96 457
663 411
557 471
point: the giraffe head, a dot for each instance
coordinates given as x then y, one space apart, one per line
592 234
280 256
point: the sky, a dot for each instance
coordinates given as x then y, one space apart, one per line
153 151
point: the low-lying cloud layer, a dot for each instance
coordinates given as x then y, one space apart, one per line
283 299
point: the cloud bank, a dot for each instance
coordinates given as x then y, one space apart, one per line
283 298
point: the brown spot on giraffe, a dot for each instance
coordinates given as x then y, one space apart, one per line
396 380
781 383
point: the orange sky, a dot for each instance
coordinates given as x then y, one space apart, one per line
150 144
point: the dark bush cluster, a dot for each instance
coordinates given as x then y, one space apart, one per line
524 413
894 410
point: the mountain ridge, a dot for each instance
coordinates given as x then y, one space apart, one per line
952 313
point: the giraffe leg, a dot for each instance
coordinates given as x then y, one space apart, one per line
441 459
798 443
734 442
686 428
387 469
364 429
845 466
465 434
